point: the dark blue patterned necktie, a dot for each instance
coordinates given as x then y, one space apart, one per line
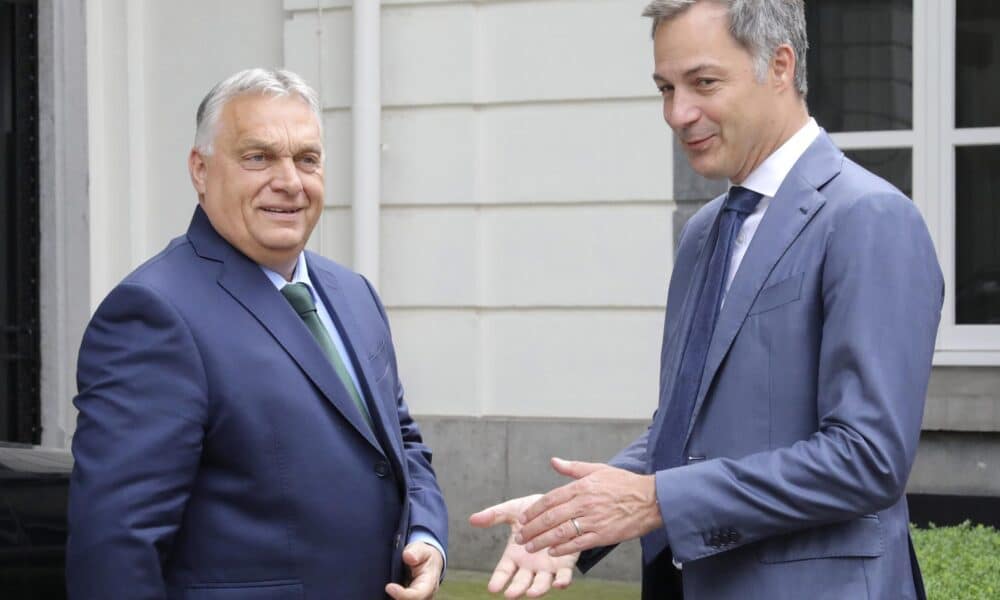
669 450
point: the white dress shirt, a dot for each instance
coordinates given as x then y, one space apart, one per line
765 180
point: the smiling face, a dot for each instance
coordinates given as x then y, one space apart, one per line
726 121
262 186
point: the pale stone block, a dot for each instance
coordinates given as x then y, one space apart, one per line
429 156
602 255
430 256
604 151
428 54
320 48
333 236
338 162
558 49
586 364
438 355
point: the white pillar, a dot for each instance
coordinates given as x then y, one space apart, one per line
367 115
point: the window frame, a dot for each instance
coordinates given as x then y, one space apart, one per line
933 142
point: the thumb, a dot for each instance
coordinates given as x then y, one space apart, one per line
576 469
415 554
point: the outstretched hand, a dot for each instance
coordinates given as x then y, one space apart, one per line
603 506
528 574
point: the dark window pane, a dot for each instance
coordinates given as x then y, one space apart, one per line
977 234
860 64
895 165
977 68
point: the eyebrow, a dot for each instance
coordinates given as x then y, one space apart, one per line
692 71
251 143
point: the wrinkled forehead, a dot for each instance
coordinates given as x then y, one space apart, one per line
288 120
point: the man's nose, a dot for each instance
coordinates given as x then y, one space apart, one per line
681 110
286 176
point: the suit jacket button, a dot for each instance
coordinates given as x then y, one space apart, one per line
381 468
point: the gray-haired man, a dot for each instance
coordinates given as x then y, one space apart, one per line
242 429
800 326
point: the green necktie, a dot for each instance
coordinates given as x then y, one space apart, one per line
299 296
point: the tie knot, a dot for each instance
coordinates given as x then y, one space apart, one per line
742 200
299 296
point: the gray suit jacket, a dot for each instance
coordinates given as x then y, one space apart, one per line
807 420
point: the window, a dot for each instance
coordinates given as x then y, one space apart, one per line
908 89
19 247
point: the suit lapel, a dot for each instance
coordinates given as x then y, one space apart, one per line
382 409
248 285
795 204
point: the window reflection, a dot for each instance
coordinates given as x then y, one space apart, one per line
895 165
977 235
860 64
977 63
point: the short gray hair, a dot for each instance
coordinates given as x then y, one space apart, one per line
270 82
760 26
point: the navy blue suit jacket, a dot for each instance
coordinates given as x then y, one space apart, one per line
217 453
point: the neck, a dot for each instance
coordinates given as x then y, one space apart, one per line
781 131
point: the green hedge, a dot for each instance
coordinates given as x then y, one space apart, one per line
961 563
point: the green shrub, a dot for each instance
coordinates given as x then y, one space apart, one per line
960 563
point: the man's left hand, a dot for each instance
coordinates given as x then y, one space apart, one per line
608 505
425 564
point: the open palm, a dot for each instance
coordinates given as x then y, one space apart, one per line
528 574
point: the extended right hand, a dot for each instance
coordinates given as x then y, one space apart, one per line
528 574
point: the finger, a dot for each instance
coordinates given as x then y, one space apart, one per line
575 468
501 575
558 535
423 585
554 520
541 585
505 512
558 496
518 585
564 577
578 544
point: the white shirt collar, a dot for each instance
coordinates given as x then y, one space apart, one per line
770 174
300 275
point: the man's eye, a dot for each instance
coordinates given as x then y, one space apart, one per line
309 162
666 89
706 82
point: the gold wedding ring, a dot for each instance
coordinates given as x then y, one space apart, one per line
576 526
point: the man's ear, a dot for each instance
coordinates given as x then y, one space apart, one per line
197 167
783 67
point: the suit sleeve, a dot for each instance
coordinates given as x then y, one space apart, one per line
142 409
427 506
882 295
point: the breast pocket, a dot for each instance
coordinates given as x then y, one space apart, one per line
779 294
378 359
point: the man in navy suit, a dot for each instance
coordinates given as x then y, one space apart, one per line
242 431
801 317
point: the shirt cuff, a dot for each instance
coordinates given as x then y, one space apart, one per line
422 534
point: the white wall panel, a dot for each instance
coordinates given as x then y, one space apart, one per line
576 152
588 364
338 164
430 256
429 156
438 352
320 48
604 255
564 49
333 236
428 54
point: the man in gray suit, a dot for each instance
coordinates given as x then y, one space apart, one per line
801 318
